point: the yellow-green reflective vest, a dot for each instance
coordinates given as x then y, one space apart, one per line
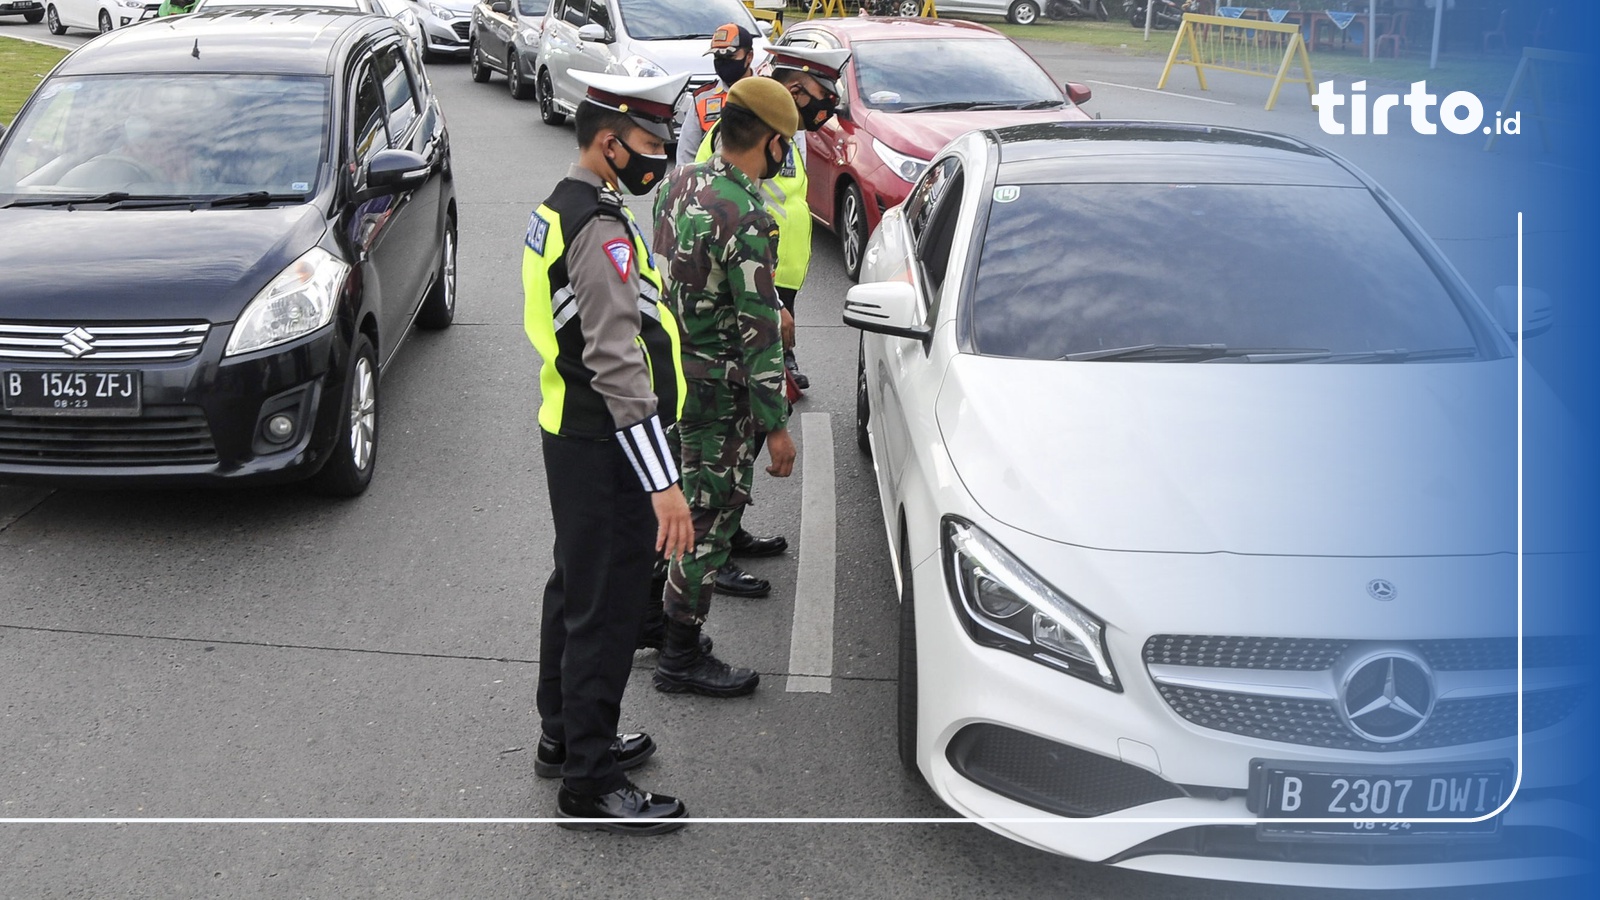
786 198
572 407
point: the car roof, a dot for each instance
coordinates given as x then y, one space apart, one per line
275 41
1161 153
869 28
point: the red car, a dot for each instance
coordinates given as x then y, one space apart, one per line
911 87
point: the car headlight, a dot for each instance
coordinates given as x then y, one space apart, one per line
907 167
442 12
639 67
530 37
1003 604
299 301
131 4
406 17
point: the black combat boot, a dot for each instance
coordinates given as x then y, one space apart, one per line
684 668
653 632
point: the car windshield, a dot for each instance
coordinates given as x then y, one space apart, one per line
1095 269
533 7
666 20
899 75
171 135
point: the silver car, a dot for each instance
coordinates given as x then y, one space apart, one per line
505 38
446 26
1017 12
642 38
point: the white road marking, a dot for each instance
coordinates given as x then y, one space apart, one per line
1163 93
811 638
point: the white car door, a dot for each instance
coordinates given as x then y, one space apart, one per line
78 13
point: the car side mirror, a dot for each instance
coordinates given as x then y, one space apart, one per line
500 6
765 27
1538 312
1078 94
397 170
594 34
885 307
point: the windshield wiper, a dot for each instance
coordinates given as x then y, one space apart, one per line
114 198
255 198
1401 355
946 105
675 37
1196 353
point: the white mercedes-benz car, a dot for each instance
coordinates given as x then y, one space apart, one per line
1198 465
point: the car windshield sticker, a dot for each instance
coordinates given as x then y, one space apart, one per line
884 97
300 186
621 253
538 230
1006 193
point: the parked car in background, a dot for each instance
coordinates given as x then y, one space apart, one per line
402 11
643 38
1206 534
505 38
208 268
446 27
912 86
96 15
31 11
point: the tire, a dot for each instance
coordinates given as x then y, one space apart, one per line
520 89
480 72
547 103
105 21
863 404
908 9
851 223
354 454
906 699
1023 12
33 18
53 21
439 307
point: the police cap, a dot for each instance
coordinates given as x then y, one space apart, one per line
649 102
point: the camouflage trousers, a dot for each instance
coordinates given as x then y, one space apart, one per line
717 454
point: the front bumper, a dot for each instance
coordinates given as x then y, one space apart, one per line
449 38
201 421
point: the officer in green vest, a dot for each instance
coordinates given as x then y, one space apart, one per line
612 386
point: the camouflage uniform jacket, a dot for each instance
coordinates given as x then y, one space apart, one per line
717 245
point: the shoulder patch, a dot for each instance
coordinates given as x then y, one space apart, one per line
538 231
621 252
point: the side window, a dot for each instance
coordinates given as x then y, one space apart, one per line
575 12
399 97
369 130
933 248
600 15
925 196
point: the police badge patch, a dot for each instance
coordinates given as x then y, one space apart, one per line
621 253
538 230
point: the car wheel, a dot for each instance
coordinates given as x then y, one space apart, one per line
906 691
520 90
439 308
852 226
480 72
355 452
105 21
863 405
547 102
909 9
53 21
1023 12
32 18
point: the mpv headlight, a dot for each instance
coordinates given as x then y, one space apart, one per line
1003 604
299 301
639 67
442 12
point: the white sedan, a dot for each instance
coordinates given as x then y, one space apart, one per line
1197 462
97 15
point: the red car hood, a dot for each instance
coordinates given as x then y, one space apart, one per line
925 133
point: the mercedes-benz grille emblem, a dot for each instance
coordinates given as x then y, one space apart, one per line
1387 696
77 343
1379 589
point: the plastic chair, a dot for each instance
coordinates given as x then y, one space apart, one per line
1395 38
1498 35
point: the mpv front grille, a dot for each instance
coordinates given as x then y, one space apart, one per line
170 342
162 435
463 30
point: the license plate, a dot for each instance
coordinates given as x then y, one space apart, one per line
83 393
1356 796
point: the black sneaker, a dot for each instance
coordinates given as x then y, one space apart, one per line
626 810
630 750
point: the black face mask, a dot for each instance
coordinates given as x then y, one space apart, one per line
815 112
642 172
774 166
729 69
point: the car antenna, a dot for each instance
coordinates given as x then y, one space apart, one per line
196 51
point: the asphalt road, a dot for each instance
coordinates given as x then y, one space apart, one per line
269 654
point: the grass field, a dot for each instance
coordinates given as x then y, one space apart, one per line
23 65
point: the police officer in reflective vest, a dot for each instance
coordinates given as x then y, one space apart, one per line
812 77
733 54
612 385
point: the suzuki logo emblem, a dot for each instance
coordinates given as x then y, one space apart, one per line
77 343
1386 697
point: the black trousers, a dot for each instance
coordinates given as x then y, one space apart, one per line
594 602
786 296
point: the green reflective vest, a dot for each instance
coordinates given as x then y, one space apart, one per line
571 406
786 198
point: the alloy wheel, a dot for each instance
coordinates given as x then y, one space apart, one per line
363 414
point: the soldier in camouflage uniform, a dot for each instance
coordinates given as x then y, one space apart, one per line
718 247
